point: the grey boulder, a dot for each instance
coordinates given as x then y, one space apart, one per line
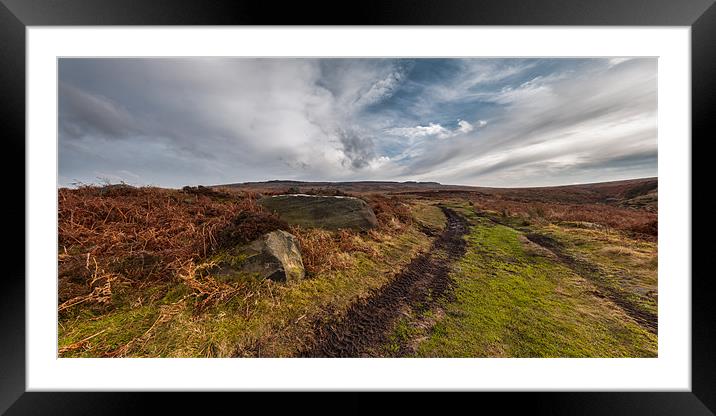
327 212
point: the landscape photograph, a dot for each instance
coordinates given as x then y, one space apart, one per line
357 207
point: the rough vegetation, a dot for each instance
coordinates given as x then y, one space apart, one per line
637 222
133 258
546 272
247 226
114 238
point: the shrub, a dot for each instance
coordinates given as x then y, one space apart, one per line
631 220
248 226
205 191
118 235
392 213
326 192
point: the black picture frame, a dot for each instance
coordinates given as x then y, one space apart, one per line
16 15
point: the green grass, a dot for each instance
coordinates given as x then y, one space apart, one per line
627 266
403 331
113 330
513 302
428 215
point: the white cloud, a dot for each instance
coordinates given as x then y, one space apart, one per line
432 129
464 127
379 162
435 130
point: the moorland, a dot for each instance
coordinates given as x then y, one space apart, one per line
382 269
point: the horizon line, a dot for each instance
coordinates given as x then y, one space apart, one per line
79 183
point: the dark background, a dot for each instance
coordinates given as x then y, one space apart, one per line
15 15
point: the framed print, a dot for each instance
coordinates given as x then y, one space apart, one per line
417 197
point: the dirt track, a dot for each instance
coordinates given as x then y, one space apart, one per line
364 328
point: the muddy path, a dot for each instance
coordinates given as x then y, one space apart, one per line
365 327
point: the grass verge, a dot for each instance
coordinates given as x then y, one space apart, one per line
512 300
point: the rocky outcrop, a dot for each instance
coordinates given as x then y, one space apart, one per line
328 212
275 255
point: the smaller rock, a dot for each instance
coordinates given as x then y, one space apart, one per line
275 255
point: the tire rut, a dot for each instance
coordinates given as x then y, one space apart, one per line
364 328
593 274
590 272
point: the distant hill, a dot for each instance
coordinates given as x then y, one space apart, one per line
633 193
357 186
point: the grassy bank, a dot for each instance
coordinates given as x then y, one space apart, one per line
515 299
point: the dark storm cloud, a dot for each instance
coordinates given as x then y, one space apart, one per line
359 150
499 122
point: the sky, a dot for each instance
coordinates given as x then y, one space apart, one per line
173 122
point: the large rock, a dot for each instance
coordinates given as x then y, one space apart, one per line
328 212
275 255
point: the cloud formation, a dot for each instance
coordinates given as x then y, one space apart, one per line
435 130
491 122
